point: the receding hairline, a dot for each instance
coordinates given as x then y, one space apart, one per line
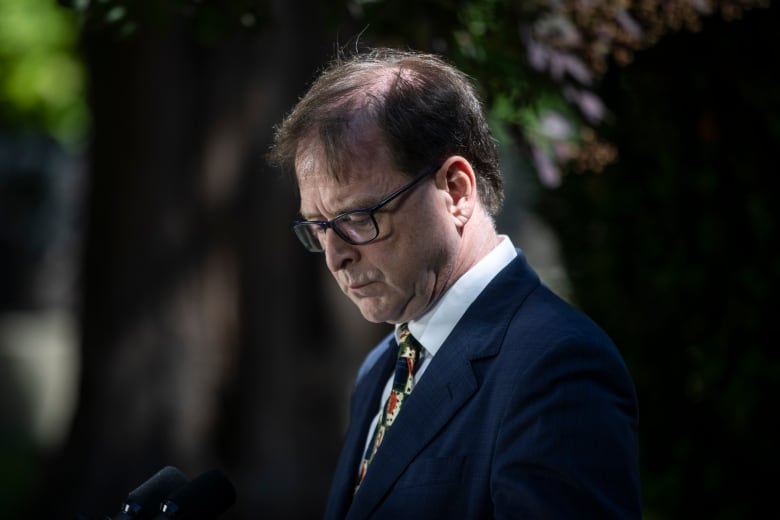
363 142
369 83
355 88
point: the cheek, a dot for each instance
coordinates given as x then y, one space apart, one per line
420 248
416 267
437 239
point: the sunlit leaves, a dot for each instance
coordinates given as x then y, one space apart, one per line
571 43
41 78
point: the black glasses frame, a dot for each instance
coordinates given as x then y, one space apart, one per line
302 228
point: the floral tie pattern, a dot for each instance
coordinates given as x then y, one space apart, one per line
408 356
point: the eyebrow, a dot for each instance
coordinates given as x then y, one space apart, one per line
356 207
360 205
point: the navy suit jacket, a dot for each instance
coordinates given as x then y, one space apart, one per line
526 411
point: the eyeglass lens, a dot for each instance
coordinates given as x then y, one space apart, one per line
357 228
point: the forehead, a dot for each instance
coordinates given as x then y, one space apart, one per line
365 178
361 180
361 152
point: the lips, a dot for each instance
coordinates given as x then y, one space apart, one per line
357 286
358 283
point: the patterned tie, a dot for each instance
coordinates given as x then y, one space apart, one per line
408 355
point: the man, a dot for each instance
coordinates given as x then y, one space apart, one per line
511 404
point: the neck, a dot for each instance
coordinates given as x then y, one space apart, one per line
478 238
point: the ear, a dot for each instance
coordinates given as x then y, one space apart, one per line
457 178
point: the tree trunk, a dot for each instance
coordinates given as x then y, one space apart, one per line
208 337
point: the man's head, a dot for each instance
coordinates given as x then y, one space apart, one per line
368 127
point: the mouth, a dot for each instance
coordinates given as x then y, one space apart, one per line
359 288
356 286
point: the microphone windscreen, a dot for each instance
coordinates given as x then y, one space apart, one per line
144 501
206 496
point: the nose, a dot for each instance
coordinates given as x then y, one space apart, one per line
338 253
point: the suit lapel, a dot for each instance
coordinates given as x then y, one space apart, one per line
431 404
447 384
367 394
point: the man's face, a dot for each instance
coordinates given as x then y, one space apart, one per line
399 275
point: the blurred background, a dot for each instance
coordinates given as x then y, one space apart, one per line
155 308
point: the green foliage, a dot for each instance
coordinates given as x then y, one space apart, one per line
41 76
672 250
209 20
541 61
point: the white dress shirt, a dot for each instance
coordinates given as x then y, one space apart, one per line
435 325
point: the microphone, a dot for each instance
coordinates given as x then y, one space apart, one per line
143 502
205 498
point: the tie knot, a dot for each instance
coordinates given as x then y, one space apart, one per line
408 346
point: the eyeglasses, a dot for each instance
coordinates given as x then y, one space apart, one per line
356 227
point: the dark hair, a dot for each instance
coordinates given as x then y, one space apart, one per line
425 109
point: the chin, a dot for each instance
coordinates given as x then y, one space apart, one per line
373 317
384 315
373 313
